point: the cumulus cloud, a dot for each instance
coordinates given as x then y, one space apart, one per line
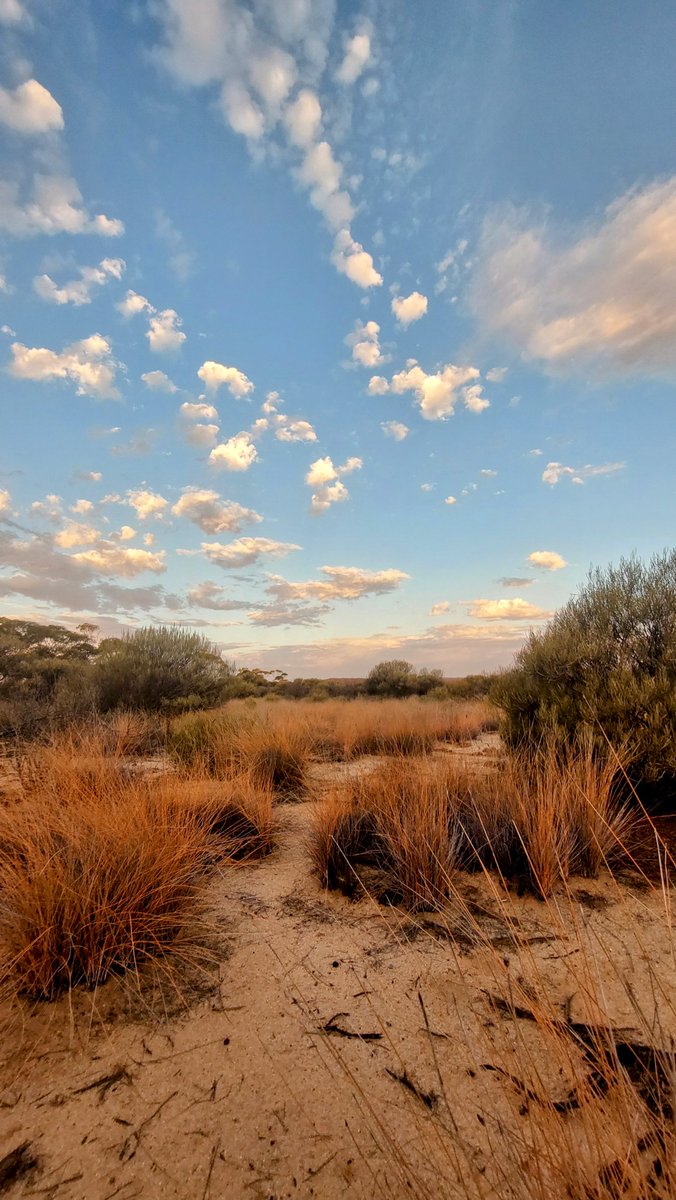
408 309
293 431
79 291
211 513
351 259
340 583
147 504
53 205
437 394
164 334
109 558
30 109
191 411
395 429
157 381
246 550
81 507
496 374
303 118
514 581
357 55
212 595
601 298
365 344
204 437
450 500
438 609
289 614
214 374
549 560
89 364
237 454
5 503
554 472
506 610
12 12
133 303
75 533
325 478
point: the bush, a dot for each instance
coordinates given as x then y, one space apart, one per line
161 668
606 664
399 678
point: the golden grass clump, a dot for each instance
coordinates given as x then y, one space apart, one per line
405 830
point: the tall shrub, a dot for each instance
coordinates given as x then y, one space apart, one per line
160 668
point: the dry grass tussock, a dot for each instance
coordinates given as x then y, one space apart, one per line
101 872
405 830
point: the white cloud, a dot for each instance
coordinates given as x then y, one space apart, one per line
322 175
437 394
212 514
535 453
212 595
357 55
191 411
125 533
134 303
89 364
202 436
157 381
303 118
351 259
408 309
294 431
506 610
237 454
30 108
341 583
395 429
324 477
81 507
365 344
554 472
75 533
79 291
109 558
164 333
12 12
549 560
246 550
602 298
438 609
496 374
488 473
54 206
449 499
5 502
213 374
49 508
147 504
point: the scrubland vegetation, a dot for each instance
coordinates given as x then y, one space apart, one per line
116 822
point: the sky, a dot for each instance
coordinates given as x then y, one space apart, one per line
337 332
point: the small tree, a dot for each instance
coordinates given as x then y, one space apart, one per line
394 678
606 663
160 668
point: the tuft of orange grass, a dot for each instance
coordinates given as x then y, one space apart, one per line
90 889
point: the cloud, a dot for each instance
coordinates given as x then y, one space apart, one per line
357 56
237 454
181 260
157 381
395 429
164 333
109 558
204 437
53 206
147 504
438 609
325 478
341 583
76 534
488 473
549 560
289 614
554 472
450 500
514 581
133 303
191 411
81 507
365 344
506 610
89 364
351 259
437 394
79 291
246 550
408 309
211 595
30 108
213 374
294 431
12 12
496 374
599 298
5 503
212 514
303 118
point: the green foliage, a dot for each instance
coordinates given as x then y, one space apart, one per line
44 674
399 678
605 664
164 668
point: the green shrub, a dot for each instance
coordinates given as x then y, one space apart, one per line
168 669
605 666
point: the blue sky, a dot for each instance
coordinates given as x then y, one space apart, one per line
336 331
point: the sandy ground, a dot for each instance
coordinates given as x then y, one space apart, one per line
251 1089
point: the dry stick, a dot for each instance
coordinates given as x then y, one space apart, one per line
212 1160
